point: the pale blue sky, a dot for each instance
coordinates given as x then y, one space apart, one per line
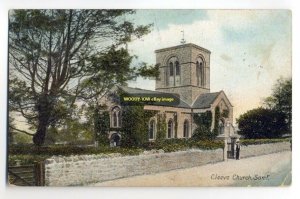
163 18
251 49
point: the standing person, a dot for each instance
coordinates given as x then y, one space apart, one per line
238 148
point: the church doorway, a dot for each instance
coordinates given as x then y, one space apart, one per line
115 140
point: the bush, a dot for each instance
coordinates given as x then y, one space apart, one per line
102 123
203 122
204 133
29 153
161 127
67 150
247 142
262 123
135 123
170 145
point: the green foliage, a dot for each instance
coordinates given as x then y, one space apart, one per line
176 125
225 113
52 135
56 58
149 71
28 154
281 100
71 131
217 119
101 125
247 142
21 138
170 145
107 70
203 122
161 127
203 119
67 150
135 125
262 123
204 133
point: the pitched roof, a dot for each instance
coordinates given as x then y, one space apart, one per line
130 90
137 90
205 100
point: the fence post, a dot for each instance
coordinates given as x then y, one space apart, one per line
39 173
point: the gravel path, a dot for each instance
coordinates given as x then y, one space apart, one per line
267 170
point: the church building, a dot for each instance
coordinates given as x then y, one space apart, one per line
185 71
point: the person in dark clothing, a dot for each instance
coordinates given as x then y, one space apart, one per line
238 148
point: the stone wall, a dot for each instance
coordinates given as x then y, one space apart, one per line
85 169
263 149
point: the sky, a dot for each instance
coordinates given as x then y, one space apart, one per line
250 49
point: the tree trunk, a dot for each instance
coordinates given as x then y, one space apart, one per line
44 110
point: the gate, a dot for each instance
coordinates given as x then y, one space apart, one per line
27 175
230 151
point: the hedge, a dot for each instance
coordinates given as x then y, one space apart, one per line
247 142
170 145
28 154
68 150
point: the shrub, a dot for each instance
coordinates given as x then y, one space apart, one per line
161 127
247 142
67 150
204 133
262 123
170 145
135 121
204 122
29 153
102 124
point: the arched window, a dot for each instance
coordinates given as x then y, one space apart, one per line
186 129
119 119
177 68
200 72
152 130
167 75
170 129
171 69
116 117
173 72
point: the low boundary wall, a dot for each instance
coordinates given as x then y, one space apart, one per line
85 169
264 149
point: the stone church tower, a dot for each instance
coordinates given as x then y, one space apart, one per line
185 70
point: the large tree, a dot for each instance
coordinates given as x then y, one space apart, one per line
55 57
262 123
281 100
